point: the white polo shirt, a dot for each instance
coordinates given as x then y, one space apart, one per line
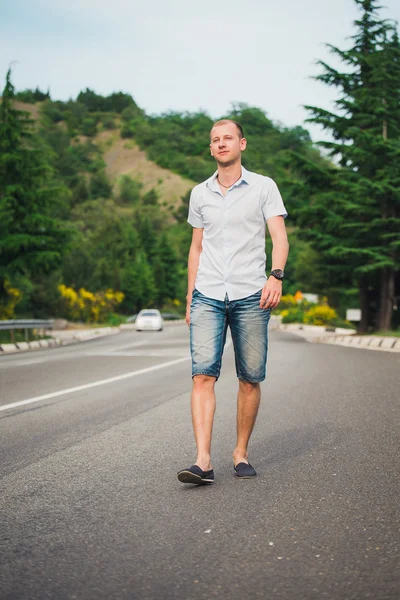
233 259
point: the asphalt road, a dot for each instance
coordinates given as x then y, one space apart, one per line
91 507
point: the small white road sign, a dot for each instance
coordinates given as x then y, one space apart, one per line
353 314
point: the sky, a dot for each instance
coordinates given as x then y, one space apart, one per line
181 55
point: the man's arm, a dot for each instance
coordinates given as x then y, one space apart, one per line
272 290
193 264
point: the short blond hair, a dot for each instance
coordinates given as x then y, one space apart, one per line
225 122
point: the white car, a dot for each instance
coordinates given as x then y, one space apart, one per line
149 319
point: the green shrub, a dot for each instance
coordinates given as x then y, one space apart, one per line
108 122
100 186
115 319
129 190
32 96
292 315
127 130
341 323
131 112
53 111
320 315
89 127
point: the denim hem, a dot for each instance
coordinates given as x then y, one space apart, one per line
251 379
206 373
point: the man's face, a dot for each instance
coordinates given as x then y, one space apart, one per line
226 146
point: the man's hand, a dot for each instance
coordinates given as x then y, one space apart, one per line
188 303
271 294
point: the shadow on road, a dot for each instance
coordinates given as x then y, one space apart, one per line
283 446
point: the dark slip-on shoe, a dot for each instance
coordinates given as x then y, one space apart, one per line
196 475
245 471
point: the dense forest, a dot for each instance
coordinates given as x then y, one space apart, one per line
76 232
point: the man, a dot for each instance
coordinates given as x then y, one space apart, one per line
227 285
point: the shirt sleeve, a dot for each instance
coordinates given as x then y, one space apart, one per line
194 218
272 202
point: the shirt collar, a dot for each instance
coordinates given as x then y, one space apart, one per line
213 184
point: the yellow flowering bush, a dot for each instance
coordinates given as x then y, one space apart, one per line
290 306
287 301
89 310
71 302
7 307
320 315
88 306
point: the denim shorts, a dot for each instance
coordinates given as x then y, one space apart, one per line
209 320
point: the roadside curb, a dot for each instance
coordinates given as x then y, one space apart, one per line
73 338
370 342
342 337
67 337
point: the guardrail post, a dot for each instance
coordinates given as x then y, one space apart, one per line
37 326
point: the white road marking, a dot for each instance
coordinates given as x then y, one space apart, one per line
69 352
23 363
139 353
123 346
87 386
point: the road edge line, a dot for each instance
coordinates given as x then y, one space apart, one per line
93 384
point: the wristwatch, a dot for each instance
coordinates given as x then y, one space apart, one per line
278 274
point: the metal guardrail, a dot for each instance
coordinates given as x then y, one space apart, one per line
25 324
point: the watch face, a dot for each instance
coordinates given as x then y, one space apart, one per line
278 273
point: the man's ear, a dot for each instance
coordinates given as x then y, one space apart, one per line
211 152
243 144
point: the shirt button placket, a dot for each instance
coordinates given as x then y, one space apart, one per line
225 237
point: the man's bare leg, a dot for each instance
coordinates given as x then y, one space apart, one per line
248 402
203 409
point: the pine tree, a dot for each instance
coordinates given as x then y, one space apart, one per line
32 239
355 223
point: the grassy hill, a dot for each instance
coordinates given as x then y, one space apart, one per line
124 157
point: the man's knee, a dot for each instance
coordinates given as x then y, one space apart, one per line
248 387
202 381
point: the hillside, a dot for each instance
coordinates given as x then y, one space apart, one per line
32 109
124 157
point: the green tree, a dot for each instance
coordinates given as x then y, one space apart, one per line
32 239
138 284
116 102
147 234
100 186
79 265
129 190
32 96
166 270
80 192
89 127
355 224
113 245
150 198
